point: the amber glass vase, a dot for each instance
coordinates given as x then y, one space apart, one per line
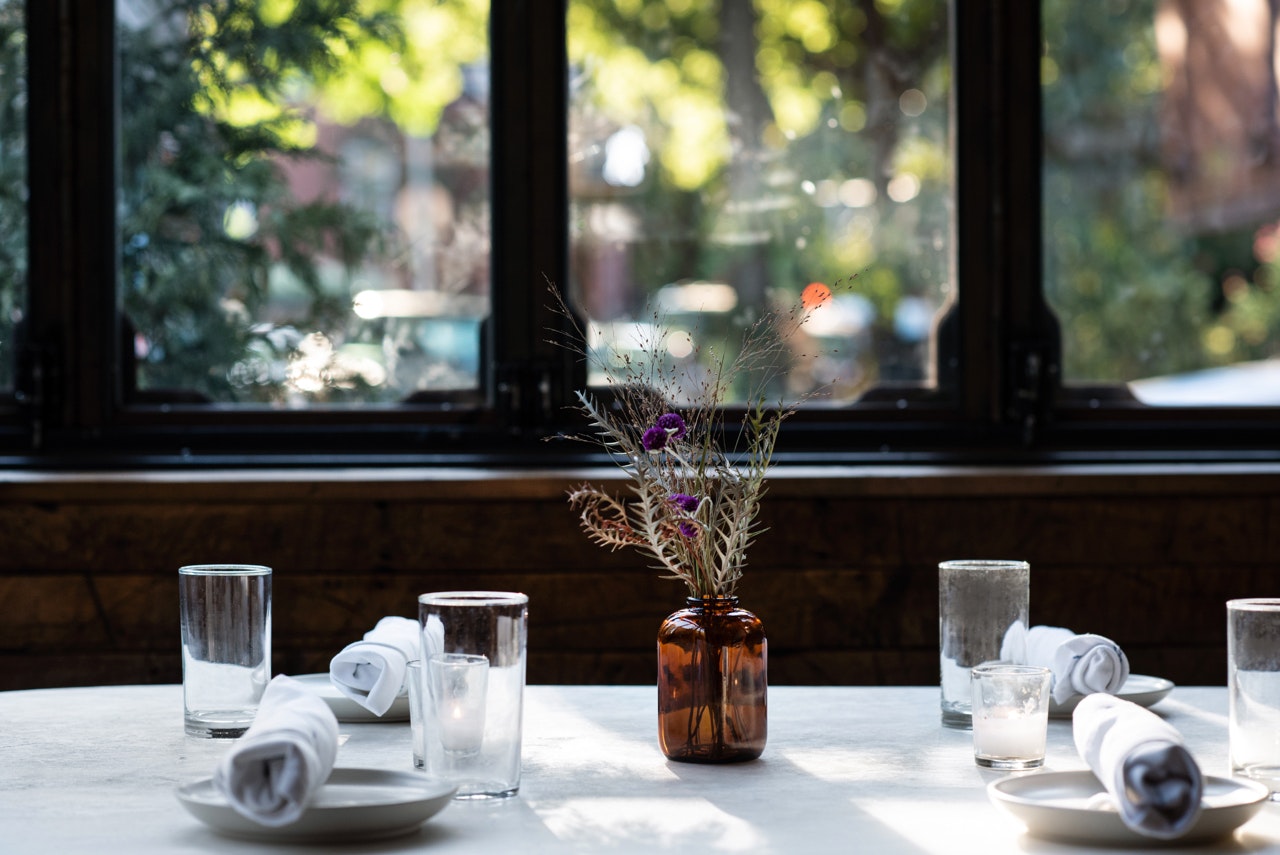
712 685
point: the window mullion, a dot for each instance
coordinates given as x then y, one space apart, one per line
72 169
70 345
977 223
530 208
1032 347
1008 338
46 283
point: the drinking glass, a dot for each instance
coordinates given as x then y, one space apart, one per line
417 712
979 602
1010 715
473 647
1253 689
225 618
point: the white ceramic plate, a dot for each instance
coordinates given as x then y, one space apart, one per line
345 708
354 804
1053 805
1139 688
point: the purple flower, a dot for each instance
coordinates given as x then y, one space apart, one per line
684 502
654 438
673 424
669 426
688 504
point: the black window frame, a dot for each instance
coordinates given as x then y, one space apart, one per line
1005 402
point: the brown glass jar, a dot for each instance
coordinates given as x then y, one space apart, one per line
712 684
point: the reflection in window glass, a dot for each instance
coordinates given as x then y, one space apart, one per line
13 184
724 156
305 199
1162 196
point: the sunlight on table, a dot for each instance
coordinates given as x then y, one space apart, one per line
934 829
661 823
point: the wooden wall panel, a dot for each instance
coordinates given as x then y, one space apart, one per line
50 612
845 578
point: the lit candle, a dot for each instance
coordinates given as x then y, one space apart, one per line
1010 715
1009 735
459 683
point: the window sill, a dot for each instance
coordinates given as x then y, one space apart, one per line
529 484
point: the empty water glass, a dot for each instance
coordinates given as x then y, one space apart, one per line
225 621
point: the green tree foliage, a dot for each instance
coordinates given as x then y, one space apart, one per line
1128 297
1137 296
206 214
219 94
400 60
756 112
225 274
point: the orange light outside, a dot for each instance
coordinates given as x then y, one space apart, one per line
814 295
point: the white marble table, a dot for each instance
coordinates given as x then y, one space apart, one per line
859 769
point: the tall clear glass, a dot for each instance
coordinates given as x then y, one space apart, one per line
1253 689
225 621
979 602
473 650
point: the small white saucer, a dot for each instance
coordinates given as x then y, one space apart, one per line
1139 688
348 710
353 805
1053 806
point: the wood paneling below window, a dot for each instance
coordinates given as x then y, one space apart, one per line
844 579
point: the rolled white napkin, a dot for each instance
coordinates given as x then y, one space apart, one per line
1081 663
1141 760
432 637
271 772
371 671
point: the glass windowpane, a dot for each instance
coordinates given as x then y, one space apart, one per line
726 156
13 186
304 199
1162 196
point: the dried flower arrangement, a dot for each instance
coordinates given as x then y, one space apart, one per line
696 484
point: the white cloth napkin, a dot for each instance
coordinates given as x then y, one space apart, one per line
432 637
371 671
271 772
1142 762
1081 663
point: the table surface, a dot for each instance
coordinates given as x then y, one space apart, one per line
846 769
